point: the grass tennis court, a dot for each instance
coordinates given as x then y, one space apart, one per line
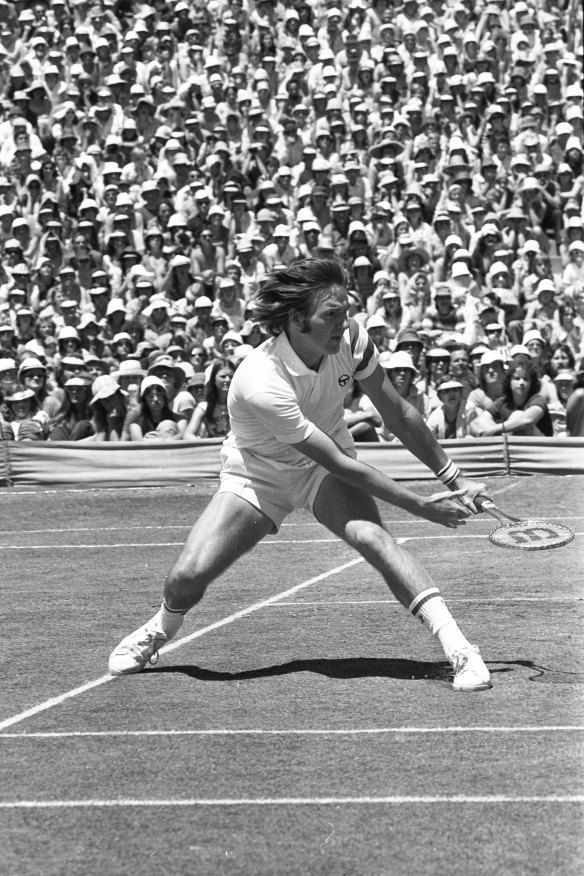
302 722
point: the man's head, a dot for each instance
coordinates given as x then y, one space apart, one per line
293 297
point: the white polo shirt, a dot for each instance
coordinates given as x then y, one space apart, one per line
275 400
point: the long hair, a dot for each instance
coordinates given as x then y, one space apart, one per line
295 289
531 375
100 417
145 416
211 392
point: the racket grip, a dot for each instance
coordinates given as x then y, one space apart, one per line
482 501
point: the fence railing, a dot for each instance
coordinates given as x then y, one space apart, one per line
178 462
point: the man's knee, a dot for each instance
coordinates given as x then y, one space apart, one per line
368 537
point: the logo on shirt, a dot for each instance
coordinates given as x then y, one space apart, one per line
344 379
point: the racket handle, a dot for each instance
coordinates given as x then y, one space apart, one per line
483 503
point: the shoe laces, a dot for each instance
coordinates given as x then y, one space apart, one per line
461 657
151 641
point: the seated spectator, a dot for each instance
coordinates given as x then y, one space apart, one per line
75 420
110 409
173 376
24 421
448 420
210 418
521 410
153 419
482 399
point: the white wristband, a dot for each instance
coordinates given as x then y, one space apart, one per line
448 473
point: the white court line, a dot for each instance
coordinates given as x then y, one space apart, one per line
289 801
158 544
188 526
485 600
154 544
263 543
56 701
358 731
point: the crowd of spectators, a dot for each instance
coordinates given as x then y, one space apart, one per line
156 160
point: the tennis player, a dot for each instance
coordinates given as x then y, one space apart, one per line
289 448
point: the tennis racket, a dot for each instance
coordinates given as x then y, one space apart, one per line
524 535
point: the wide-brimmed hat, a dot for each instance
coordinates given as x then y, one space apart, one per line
419 251
104 387
166 362
400 359
7 365
152 380
450 383
128 368
408 336
19 395
30 364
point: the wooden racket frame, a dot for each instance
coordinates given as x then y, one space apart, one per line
508 523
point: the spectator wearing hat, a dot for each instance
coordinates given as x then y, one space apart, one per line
128 374
228 305
402 372
252 268
441 316
8 375
74 422
436 365
491 372
180 282
541 270
68 343
173 375
448 420
153 418
24 421
155 320
378 332
280 251
573 273
110 408
542 313
32 374
392 312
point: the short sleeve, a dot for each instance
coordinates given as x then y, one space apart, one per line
363 350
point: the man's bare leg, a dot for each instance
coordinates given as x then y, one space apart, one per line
353 515
227 529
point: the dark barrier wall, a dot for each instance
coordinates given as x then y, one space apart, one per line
150 464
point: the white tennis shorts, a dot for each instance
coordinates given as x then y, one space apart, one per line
276 492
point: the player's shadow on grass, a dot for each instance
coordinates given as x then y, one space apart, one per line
348 667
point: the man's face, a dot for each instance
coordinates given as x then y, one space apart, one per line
322 332
401 377
459 363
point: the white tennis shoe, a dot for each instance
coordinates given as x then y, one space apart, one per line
137 650
470 672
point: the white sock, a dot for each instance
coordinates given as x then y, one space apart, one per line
169 620
430 609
